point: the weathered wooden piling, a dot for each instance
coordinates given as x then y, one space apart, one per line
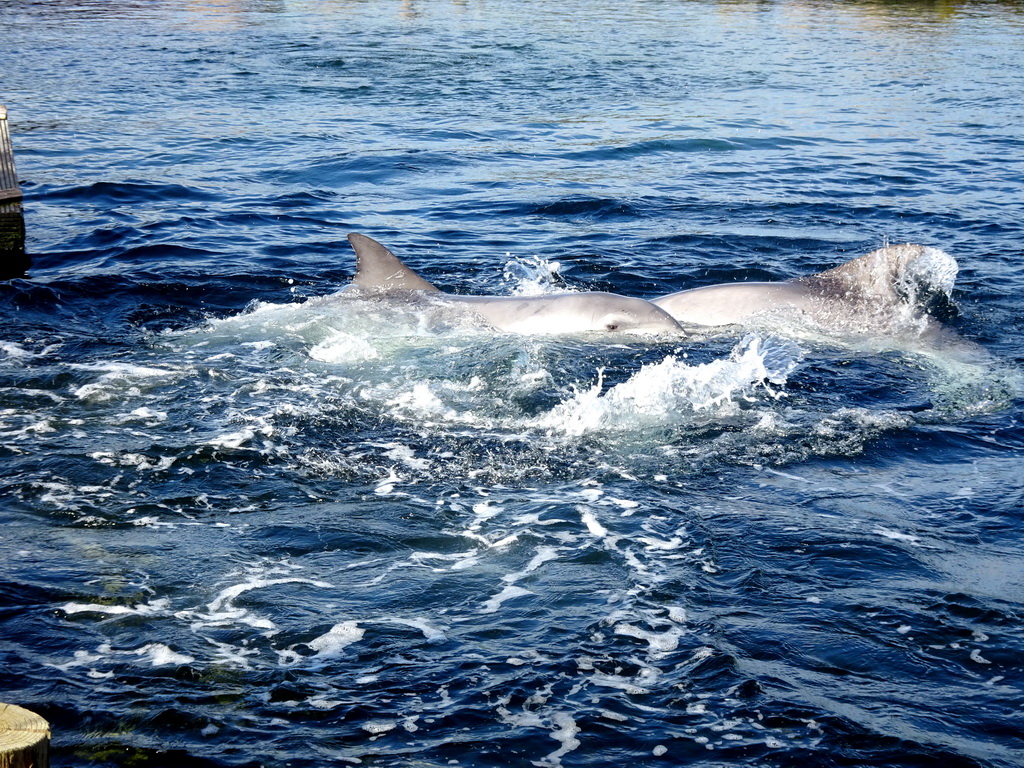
13 261
24 738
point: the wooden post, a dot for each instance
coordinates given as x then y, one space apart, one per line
24 738
13 261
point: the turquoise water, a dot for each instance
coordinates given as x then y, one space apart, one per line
248 521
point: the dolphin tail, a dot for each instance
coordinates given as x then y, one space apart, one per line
380 271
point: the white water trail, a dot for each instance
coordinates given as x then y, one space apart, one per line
665 393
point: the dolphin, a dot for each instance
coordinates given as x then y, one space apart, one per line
870 287
380 273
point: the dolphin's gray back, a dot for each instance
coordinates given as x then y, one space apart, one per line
733 303
882 276
378 270
879 283
584 312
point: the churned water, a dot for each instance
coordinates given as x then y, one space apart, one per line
248 521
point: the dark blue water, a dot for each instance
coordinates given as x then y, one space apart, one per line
249 522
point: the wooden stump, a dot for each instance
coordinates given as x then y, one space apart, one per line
24 738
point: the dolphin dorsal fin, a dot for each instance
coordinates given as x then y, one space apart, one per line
380 271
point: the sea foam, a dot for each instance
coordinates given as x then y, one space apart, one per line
662 394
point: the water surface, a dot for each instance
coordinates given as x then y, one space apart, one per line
250 522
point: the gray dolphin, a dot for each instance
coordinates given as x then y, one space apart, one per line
872 285
380 273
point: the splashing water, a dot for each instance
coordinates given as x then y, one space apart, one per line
673 391
533 276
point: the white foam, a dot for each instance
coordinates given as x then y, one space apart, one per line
627 504
35 427
668 392
897 536
787 475
134 460
116 379
484 510
81 658
660 643
565 732
460 560
621 683
589 519
221 611
157 654
421 402
142 609
343 347
337 639
524 719
543 554
430 632
227 595
652 544
508 593
160 655
318 702
143 414
226 655
59 495
14 350
232 440
259 346
407 456
377 727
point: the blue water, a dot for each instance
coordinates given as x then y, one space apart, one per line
248 522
